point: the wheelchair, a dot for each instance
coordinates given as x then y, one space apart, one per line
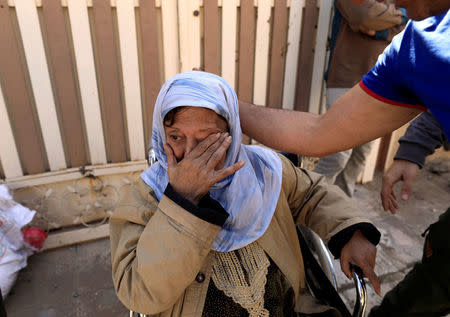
319 270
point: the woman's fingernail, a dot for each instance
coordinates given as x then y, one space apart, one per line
405 196
228 138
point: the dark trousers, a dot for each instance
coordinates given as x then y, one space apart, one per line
425 290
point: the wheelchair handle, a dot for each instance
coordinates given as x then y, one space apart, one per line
361 292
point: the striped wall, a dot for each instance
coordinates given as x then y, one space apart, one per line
79 78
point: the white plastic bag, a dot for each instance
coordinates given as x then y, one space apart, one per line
13 249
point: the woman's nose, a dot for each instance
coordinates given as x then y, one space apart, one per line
190 145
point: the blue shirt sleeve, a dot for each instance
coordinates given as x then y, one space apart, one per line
386 80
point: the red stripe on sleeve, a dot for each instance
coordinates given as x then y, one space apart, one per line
395 103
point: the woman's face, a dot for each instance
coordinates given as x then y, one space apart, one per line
190 126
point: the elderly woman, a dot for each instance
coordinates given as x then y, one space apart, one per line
210 229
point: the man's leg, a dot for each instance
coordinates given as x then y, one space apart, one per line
425 290
332 165
347 177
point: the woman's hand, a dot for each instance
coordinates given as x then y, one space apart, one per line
200 169
360 251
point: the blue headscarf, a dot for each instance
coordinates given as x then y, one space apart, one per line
250 195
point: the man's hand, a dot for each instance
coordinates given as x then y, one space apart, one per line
401 170
194 175
361 252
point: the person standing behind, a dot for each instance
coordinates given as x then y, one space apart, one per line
424 290
359 35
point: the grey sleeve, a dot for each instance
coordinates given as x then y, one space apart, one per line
421 139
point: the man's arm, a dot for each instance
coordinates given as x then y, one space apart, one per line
371 15
354 119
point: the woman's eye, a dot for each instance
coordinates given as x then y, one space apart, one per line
174 137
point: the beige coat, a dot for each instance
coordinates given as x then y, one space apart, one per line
158 248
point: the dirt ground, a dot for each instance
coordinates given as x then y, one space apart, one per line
401 242
76 281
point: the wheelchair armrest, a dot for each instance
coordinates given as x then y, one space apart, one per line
318 249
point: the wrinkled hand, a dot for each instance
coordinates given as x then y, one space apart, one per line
401 170
361 252
194 175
